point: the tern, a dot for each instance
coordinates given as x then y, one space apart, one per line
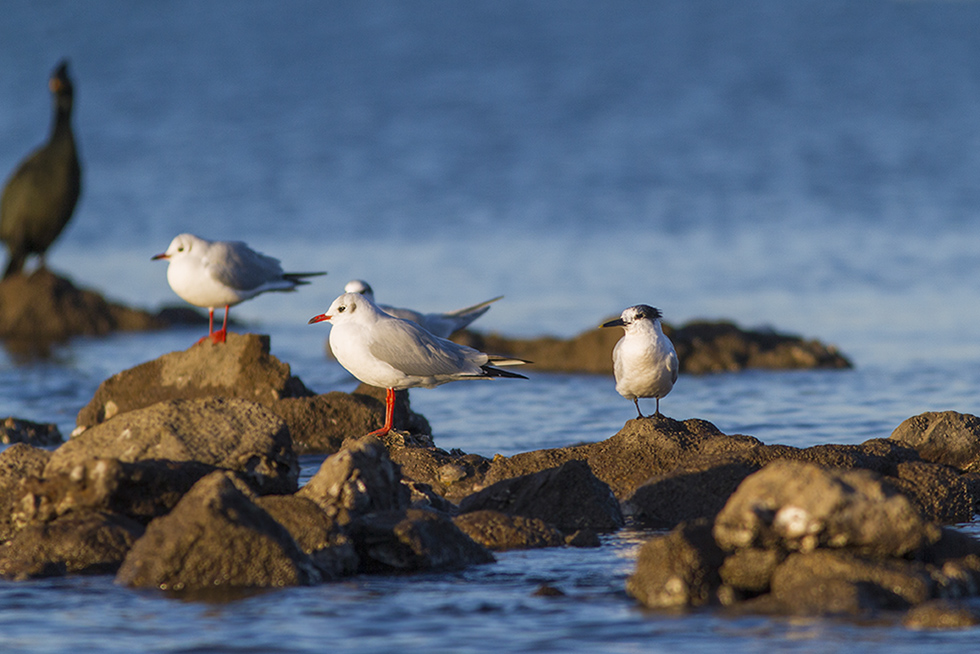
442 325
388 352
644 360
215 273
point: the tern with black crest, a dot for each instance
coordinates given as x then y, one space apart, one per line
644 360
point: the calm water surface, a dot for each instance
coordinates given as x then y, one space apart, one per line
806 166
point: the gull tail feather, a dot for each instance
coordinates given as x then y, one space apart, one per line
478 309
298 278
498 372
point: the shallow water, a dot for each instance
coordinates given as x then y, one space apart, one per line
806 166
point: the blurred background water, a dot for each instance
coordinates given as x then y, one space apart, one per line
808 166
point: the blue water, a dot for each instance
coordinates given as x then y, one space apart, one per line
807 166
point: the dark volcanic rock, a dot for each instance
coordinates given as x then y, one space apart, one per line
315 533
357 480
413 540
644 447
45 307
702 347
499 531
242 367
17 462
679 569
942 614
569 497
226 433
945 437
140 490
801 506
216 536
87 542
15 430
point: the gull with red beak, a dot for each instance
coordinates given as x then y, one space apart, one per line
395 354
644 360
215 273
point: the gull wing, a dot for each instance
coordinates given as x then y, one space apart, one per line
236 265
414 351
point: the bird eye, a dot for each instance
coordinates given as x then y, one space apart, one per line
341 308
180 249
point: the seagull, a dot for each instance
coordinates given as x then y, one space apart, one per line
388 352
214 273
644 360
440 324
40 196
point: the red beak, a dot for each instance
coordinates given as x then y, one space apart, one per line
159 256
319 318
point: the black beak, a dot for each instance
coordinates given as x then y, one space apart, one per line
618 322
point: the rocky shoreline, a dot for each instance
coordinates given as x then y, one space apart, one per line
183 473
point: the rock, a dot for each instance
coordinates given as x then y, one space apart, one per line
216 536
498 531
945 437
43 307
15 430
240 368
937 491
569 497
233 434
17 462
87 542
243 368
644 447
315 533
413 540
140 490
357 480
942 614
679 569
702 347
833 581
750 570
452 475
802 506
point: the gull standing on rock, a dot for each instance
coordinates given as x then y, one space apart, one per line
215 273
388 352
644 360
442 325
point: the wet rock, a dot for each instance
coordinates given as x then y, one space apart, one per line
233 434
43 307
570 497
413 540
937 491
498 531
942 614
750 570
801 506
87 542
216 536
315 533
679 569
833 581
15 430
141 490
241 368
644 447
244 368
17 462
945 437
702 347
359 479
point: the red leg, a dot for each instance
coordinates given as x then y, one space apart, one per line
220 335
210 326
389 414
